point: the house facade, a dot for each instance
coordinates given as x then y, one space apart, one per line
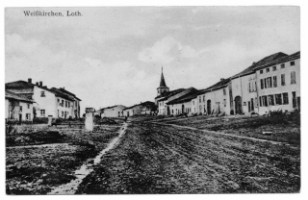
113 111
18 107
279 84
146 108
215 99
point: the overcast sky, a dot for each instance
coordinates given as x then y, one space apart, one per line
114 55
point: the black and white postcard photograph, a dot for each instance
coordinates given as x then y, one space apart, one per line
152 100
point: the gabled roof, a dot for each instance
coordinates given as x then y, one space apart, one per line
23 85
264 61
62 94
170 93
185 98
19 85
147 104
12 95
221 84
291 57
69 93
110 107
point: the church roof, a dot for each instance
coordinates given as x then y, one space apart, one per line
162 80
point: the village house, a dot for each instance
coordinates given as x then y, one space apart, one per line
76 102
185 104
113 111
48 102
278 84
145 108
18 107
215 99
64 104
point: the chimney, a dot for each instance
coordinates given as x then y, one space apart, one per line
37 83
41 83
29 80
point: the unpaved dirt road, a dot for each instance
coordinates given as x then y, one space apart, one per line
156 158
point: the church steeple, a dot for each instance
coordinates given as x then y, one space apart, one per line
162 79
162 86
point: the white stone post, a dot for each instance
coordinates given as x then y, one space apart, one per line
49 120
89 120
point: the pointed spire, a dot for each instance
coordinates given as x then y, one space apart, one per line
162 80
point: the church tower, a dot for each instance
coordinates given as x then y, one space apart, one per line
162 86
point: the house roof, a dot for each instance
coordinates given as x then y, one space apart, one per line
264 61
12 95
221 84
69 93
110 107
62 94
23 85
147 104
169 94
291 57
185 98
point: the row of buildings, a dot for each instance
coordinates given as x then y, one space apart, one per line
271 84
144 108
25 100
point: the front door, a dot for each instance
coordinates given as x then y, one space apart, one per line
238 105
209 109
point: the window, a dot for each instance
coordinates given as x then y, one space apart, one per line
294 99
264 100
283 79
28 106
282 66
267 69
43 112
285 98
261 71
274 68
62 103
224 91
271 100
261 81
269 82
203 98
292 63
199 99
225 102
28 116
293 78
278 99
260 99
42 93
20 108
249 87
275 81
265 83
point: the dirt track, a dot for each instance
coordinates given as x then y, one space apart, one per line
154 158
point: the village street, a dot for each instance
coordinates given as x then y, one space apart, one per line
157 158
